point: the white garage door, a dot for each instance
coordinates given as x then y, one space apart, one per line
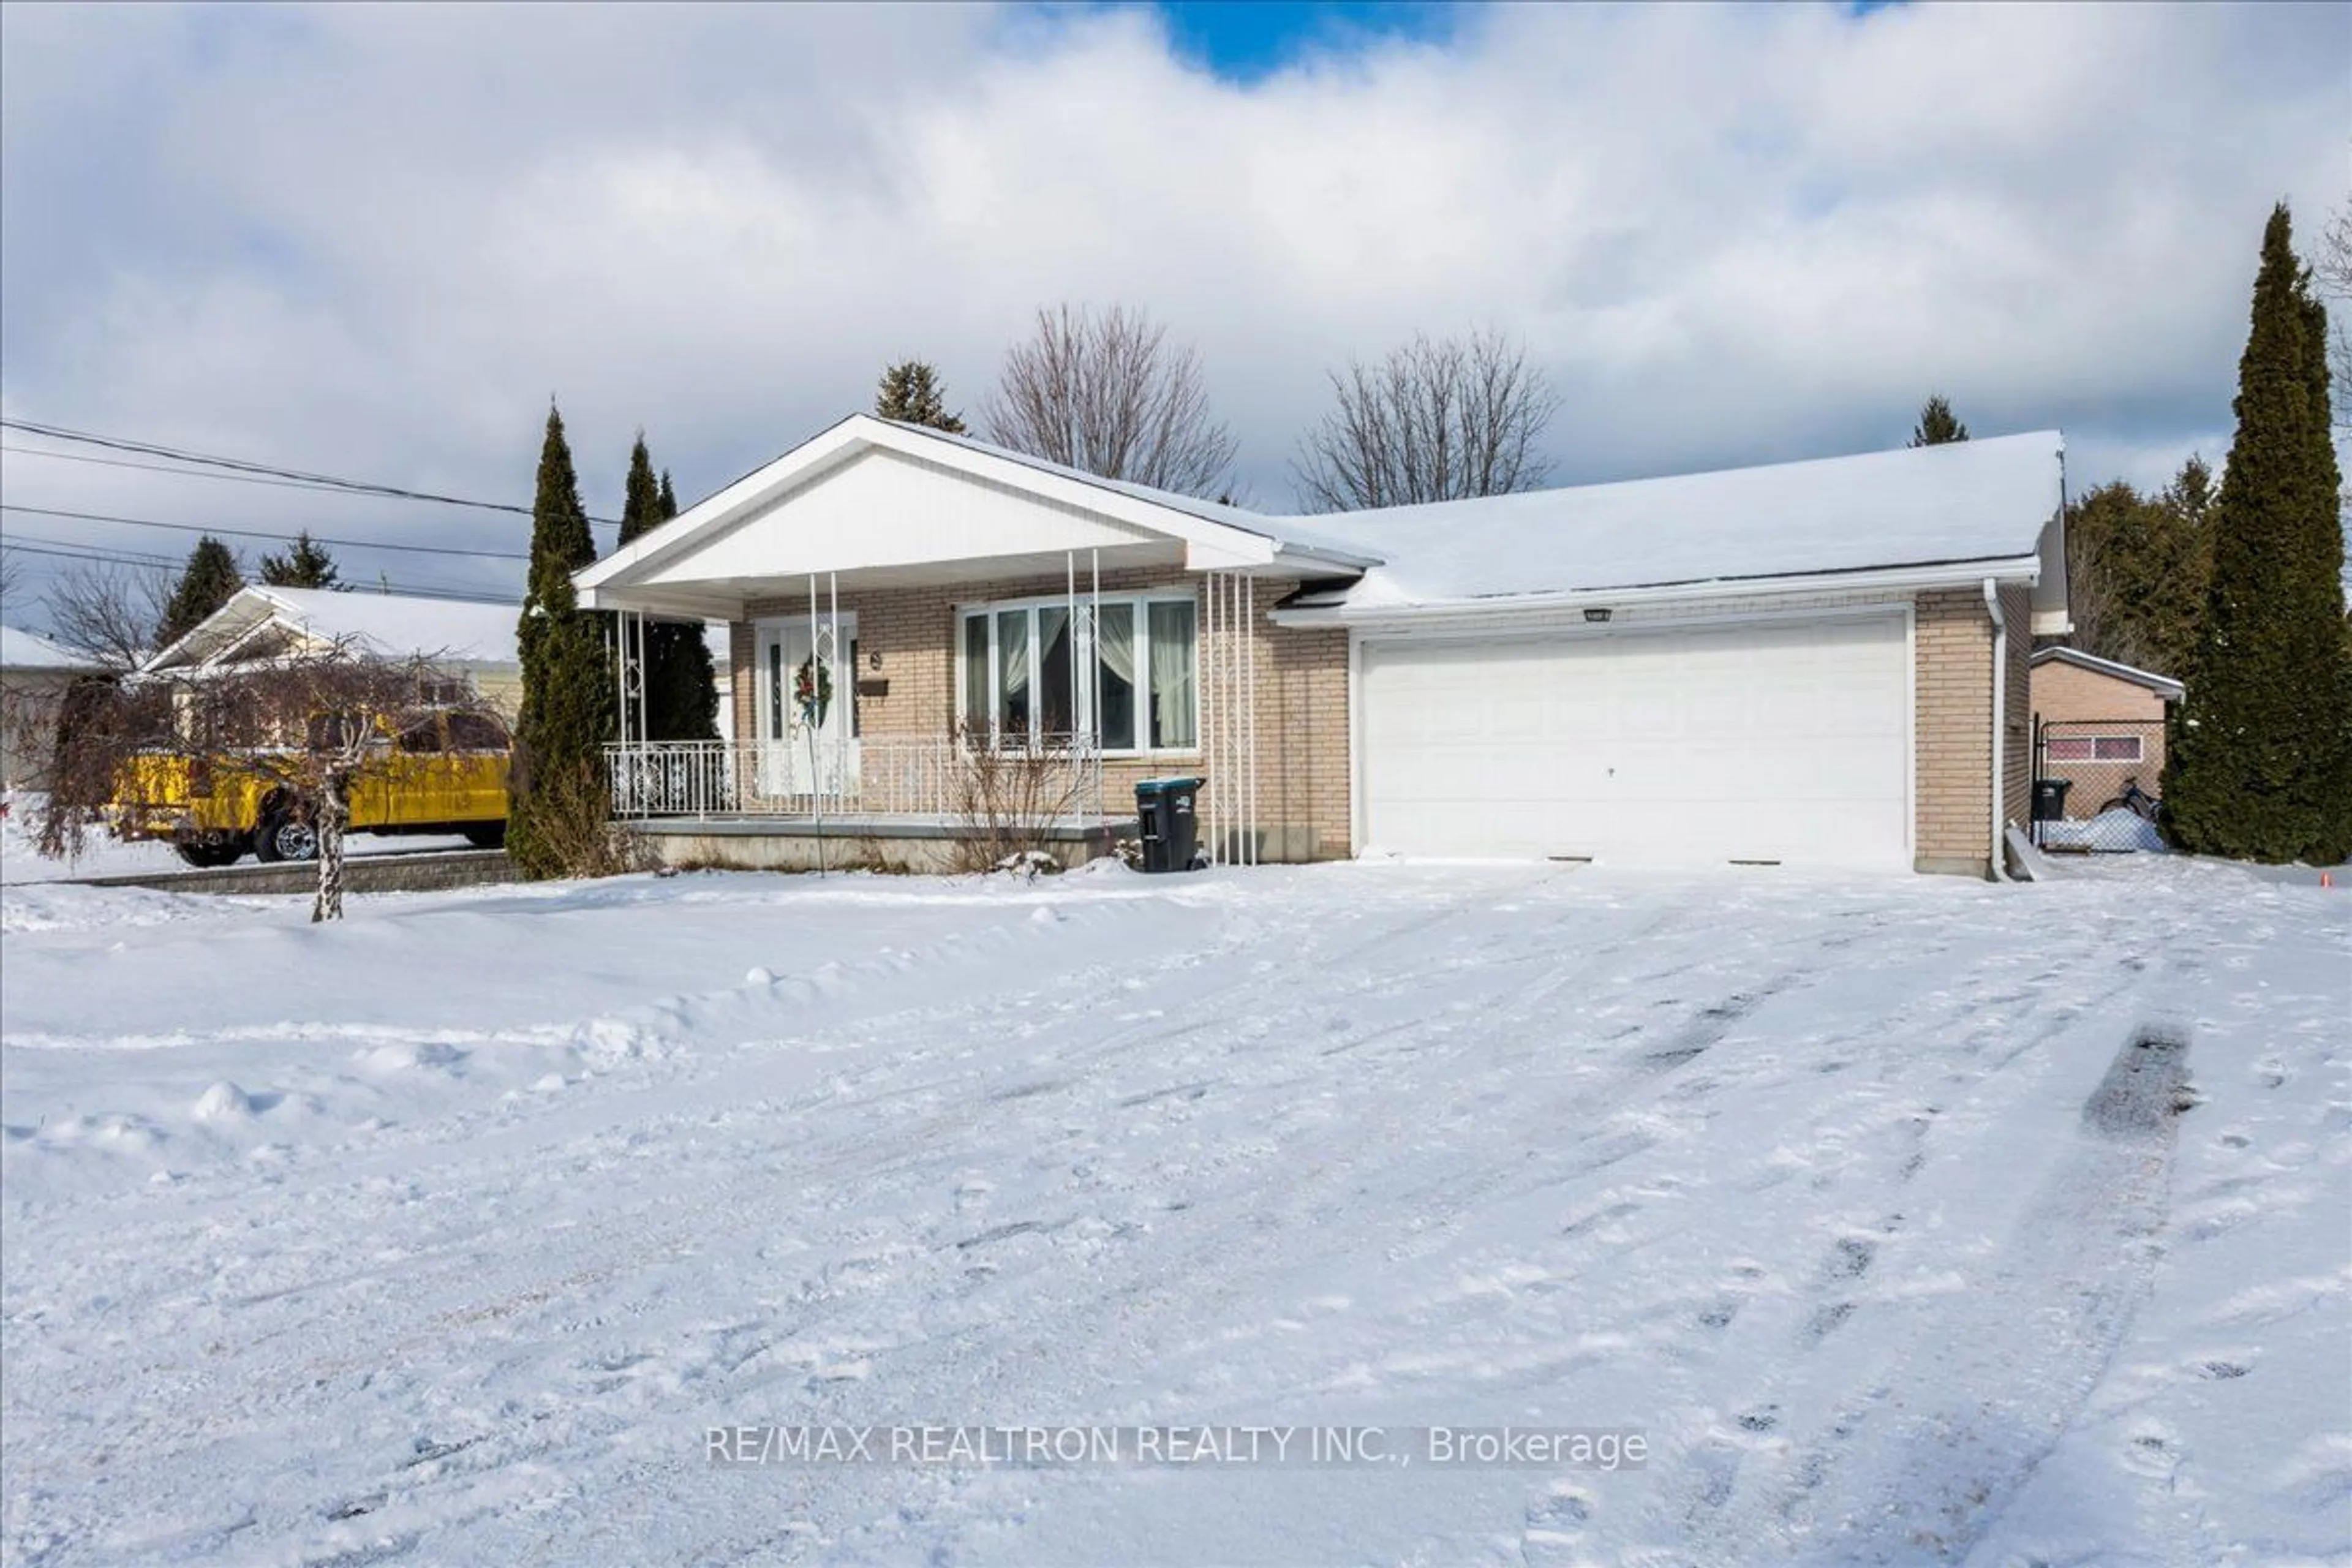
1784 742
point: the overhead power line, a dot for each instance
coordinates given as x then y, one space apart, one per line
241 465
68 551
264 534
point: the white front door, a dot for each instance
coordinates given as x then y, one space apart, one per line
807 728
1773 741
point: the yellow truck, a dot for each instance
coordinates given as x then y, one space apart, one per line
441 771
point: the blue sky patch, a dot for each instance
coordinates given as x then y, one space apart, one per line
1245 40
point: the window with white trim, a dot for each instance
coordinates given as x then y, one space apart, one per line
2094 748
1028 678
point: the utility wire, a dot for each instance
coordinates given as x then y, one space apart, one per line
244 466
264 534
66 550
183 473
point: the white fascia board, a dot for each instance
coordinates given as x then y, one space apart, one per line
1220 545
1949 575
713 512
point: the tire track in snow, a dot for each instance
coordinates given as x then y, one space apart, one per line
1913 1465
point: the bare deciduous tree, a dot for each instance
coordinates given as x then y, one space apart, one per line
1110 394
296 735
1437 419
12 573
107 611
2333 270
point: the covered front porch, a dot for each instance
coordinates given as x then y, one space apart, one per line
924 651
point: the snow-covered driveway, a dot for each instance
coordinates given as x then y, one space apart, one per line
443 1235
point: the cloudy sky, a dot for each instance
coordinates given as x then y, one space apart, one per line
371 241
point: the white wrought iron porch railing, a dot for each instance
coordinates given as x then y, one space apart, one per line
866 777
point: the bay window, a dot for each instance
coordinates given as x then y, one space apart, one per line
1030 679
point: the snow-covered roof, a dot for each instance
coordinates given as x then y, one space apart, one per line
2163 686
392 625
28 650
1983 503
1963 502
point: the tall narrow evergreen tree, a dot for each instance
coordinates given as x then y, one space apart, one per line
206 582
306 565
567 675
681 688
1937 425
641 505
2261 759
910 394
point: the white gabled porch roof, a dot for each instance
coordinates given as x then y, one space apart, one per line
875 504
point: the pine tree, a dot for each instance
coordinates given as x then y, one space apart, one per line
305 565
910 394
206 582
1936 423
2136 570
567 677
681 687
2261 759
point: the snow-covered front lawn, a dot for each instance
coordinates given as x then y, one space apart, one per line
1909 1219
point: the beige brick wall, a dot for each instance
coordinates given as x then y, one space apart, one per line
1953 692
2066 691
907 638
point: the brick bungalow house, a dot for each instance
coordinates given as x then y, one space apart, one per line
1811 664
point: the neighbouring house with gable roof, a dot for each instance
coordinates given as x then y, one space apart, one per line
470 645
1810 664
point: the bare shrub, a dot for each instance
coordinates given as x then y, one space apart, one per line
1007 802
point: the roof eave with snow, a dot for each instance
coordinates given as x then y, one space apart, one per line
1344 608
2164 686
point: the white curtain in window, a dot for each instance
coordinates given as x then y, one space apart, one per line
1115 693
1172 662
1013 672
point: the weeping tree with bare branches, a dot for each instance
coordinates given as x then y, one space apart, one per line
1435 420
1109 394
213 758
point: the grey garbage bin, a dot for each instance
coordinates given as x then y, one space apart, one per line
1164 814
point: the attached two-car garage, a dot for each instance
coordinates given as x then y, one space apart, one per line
1780 740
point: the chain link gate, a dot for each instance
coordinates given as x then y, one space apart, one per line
2095 784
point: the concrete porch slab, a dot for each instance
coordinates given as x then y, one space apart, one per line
915 844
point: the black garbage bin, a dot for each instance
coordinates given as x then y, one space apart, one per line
2050 799
1164 813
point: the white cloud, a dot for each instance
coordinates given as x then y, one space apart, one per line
375 239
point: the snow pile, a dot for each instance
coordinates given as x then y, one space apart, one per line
1904 1220
2119 831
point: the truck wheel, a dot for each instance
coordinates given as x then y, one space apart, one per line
285 838
486 834
206 855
